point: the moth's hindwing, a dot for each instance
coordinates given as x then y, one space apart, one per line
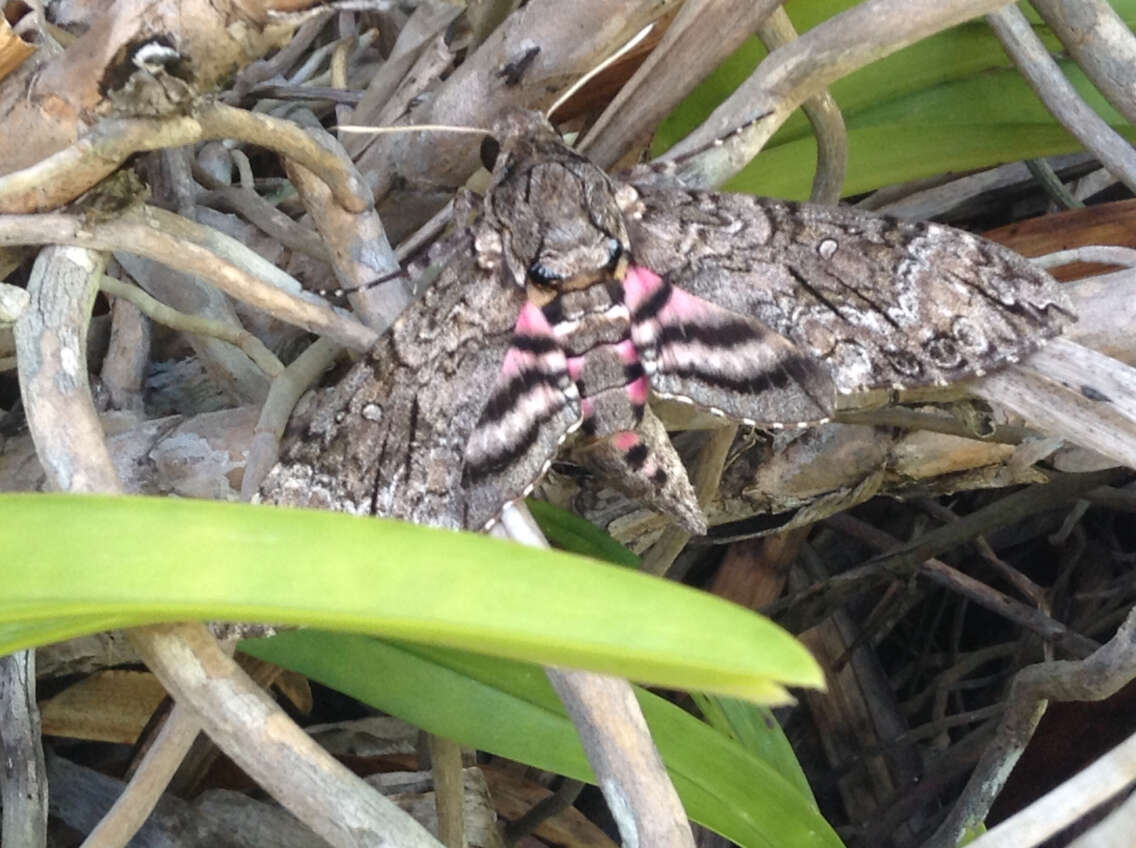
732 365
882 303
531 408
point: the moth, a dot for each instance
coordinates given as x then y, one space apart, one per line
570 298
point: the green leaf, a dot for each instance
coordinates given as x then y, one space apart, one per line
569 532
77 564
951 102
509 708
755 728
971 833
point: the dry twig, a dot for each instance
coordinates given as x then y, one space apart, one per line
1096 677
1059 96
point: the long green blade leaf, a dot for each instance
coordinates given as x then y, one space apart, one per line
75 560
509 708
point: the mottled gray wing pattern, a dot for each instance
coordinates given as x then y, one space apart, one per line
389 439
884 303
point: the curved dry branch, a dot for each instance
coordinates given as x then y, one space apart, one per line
1101 43
161 236
701 36
1059 96
1094 678
63 176
823 113
356 243
610 723
804 68
51 348
293 381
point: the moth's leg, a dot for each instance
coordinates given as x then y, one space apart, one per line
643 464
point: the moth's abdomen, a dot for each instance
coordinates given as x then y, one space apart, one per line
594 329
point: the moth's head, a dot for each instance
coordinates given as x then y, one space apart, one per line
556 212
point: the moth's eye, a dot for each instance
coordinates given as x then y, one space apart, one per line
614 253
489 150
540 275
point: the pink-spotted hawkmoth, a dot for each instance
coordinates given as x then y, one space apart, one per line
571 297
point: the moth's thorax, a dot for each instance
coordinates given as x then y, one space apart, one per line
561 227
581 282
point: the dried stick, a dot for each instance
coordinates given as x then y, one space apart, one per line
805 67
357 244
13 301
170 175
425 24
1094 678
279 63
702 34
1030 590
68 173
910 419
51 347
449 790
263 215
51 341
1068 390
1105 254
1117 828
627 766
1056 190
1059 96
127 359
248 726
559 801
477 90
61 415
823 113
23 785
138 799
150 232
170 317
1101 43
894 565
286 389
610 723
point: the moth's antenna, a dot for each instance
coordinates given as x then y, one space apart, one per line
340 292
358 128
668 166
605 64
